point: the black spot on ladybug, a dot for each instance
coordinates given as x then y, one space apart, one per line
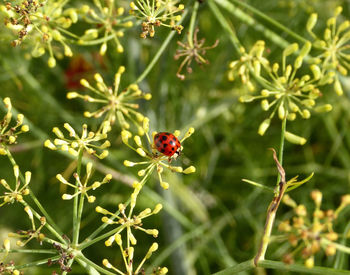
174 139
173 149
159 144
172 143
164 138
162 150
167 134
165 145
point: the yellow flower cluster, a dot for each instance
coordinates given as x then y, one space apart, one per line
115 104
8 132
311 233
78 144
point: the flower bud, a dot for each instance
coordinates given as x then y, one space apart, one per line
294 138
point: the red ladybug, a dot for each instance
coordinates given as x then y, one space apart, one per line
167 144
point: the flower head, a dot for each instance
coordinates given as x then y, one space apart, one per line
155 13
127 221
19 190
334 46
116 105
311 233
28 235
85 142
192 50
286 93
42 25
83 188
111 24
8 132
153 158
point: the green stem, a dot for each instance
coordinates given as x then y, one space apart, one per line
232 35
192 23
298 268
159 52
32 251
76 216
69 264
51 225
101 237
36 263
280 153
270 20
250 21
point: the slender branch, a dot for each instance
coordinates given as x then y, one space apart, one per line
159 52
76 216
192 23
32 251
270 20
280 153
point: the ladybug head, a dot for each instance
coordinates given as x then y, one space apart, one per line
177 153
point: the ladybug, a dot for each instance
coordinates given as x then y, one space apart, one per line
167 144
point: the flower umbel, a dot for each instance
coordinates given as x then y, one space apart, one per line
128 221
192 50
311 233
111 25
334 45
85 142
15 194
8 133
82 188
41 24
154 159
155 13
116 104
287 94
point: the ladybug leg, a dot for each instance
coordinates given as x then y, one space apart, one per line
170 159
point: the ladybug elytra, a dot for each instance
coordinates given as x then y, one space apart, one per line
167 144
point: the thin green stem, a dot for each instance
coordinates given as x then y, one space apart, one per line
280 153
31 251
250 21
101 237
69 264
192 23
76 218
159 52
36 263
223 22
270 20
